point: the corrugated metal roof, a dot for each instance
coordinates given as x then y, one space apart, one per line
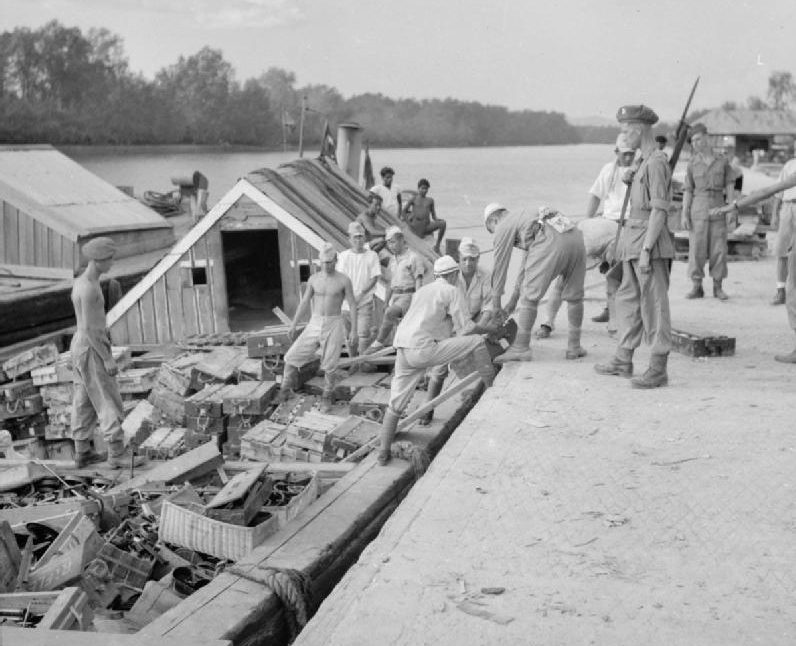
749 122
66 197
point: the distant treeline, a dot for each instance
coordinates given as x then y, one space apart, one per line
63 86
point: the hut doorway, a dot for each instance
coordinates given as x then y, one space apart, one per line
254 280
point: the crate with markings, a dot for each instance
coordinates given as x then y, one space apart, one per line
263 442
248 397
218 366
370 402
137 381
164 443
270 341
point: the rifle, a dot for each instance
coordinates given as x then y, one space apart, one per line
615 272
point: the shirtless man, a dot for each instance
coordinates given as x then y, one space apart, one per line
374 232
421 216
96 394
325 291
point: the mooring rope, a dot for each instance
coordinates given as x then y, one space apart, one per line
412 453
291 587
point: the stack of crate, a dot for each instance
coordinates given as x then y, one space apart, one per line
263 442
173 385
204 417
246 404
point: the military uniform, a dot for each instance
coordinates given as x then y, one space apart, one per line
706 179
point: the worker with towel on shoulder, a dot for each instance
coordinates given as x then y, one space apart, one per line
96 397
424 340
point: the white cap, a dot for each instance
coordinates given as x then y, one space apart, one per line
392 232
467 247
621 144
494 207
445 265
327 252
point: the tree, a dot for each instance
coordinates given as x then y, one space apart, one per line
781 89
756 103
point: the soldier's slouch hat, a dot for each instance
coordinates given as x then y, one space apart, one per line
640 113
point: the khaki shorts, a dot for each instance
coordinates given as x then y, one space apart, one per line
787 227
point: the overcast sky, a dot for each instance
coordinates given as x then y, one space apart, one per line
580 57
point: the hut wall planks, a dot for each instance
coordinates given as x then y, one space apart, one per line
26 241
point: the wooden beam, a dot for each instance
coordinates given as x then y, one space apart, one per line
46 637
31 271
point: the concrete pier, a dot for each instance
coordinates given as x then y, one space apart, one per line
570 509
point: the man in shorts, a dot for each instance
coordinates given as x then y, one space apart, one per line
421 215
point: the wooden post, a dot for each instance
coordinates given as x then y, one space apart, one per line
301 126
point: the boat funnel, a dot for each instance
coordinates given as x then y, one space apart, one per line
349 148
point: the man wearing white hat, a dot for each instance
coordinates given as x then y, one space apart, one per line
96 396
609 189
423 340
406 277
553 247
362 266
325 331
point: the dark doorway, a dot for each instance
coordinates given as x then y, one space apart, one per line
254 282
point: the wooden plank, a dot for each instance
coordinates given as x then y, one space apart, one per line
27 244
10 558
54 248
10 233
174 296
288 270
33 271
69 611
40 244
217 279
68 254
134 332
148 318
204 306
162 312
238 487
45 637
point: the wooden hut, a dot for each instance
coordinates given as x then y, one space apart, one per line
51 206
254 250
772 131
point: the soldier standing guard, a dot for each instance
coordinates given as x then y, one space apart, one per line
709 183
645 251
96 393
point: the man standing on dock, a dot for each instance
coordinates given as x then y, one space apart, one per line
96 394
325 331
423 340
645 251
389 192
784 209
553 247
709 183
362 266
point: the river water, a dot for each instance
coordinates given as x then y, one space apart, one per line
463 180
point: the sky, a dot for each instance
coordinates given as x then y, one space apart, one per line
580 57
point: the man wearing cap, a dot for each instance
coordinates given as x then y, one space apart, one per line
599 238
645 251
389 192
406 276
362 266
423 340
325 331
96 396
709 183
553 247
609 189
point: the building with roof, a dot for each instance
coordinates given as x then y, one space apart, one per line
771 131
51 206
254 250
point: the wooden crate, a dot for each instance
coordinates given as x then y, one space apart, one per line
270 341
139 423
169 404
351 434
298 503
164 443
219 366
370 402
24 407
206 424
698 345
128 569
248 397
174 379
137 380
66 609
14 390
242 497
263 442
207 402
24 362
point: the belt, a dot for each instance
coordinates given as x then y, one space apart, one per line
403 290
636 223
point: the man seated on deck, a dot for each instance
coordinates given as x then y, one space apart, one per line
599 237
553 247
421 215
374 232
96 395
362 266
423 340
325 331
406 277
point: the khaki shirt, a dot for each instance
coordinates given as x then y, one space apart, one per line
405 269
437 310
706 179
478 296
514 230
651 189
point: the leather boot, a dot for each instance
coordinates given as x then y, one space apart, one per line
620 365
520 349
696 290
434 389
289 383
656 375
786 358
718 292
388 426
483 359
86 455
575 318
601 318
119 458
779 297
